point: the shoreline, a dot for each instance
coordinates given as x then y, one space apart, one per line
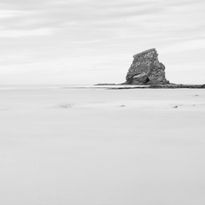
160 86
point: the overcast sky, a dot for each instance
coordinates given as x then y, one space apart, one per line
90 41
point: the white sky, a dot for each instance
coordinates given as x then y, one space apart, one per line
91 41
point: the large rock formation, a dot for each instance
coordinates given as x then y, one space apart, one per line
146 69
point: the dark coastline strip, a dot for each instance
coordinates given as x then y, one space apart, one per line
165 86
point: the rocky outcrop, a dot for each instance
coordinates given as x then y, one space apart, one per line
146 69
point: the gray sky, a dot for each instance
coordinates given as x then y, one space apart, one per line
90 41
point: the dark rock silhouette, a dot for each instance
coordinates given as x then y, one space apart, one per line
146 69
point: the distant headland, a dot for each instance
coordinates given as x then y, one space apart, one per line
147 72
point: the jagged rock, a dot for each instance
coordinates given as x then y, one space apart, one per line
146 69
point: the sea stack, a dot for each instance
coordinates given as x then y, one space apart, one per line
146 69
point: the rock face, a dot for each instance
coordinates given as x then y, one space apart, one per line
146 69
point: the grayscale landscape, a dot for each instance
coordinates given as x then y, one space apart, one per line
102 102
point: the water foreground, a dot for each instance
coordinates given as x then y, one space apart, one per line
102 146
